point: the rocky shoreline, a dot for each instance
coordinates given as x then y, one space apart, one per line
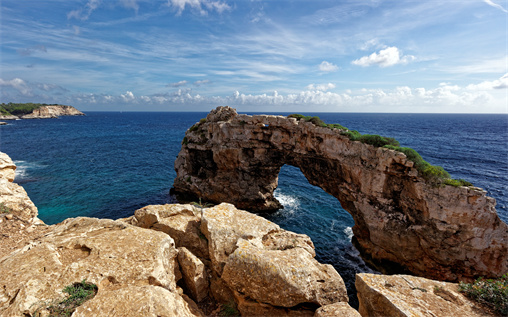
187 260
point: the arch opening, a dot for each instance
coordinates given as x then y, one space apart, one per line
308 209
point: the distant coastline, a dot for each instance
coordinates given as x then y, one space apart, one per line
14 111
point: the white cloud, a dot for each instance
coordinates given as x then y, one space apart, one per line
388 57
198 5
495 5
128 96
201 82
84 13
480 66
217 6
372 43
487 96
328 67
501 83
18 84
178 84
322 87
130 4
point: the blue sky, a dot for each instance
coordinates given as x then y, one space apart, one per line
267 56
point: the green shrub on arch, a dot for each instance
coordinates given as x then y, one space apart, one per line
432 173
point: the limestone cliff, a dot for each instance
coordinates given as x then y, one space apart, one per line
13 198
401 220
47 112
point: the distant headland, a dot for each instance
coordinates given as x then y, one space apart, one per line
13 111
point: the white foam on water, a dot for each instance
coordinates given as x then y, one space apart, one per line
22 168
286 200
20 171
349 233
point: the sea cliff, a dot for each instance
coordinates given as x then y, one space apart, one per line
37 111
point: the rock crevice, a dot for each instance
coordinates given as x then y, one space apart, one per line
441 232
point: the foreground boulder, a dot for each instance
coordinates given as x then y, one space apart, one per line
252 262
122 260
402 220
405 295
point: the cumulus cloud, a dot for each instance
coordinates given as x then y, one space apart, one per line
199 6
501 83
128 96
387 57
495 5
328 67
487 96
322 87
84 13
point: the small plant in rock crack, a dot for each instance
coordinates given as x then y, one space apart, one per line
78 294
4 209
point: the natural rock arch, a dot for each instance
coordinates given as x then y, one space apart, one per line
448 233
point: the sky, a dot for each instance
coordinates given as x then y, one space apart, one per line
400 56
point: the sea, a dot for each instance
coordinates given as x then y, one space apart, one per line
108 164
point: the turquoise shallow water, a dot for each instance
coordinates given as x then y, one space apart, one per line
109 164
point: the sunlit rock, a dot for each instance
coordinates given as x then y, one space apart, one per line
402 221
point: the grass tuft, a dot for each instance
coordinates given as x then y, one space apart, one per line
78 294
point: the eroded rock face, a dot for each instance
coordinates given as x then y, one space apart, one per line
282 277
139 301
108 253
405 295
446 232
223 225
337 309
7 167
13 198
269 270
47 112
194 274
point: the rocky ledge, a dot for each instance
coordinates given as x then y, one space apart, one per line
402 221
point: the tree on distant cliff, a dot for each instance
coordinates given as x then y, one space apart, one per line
17 109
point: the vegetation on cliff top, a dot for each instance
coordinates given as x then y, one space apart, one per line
435 174
18 109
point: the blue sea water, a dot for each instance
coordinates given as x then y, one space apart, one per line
108 164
